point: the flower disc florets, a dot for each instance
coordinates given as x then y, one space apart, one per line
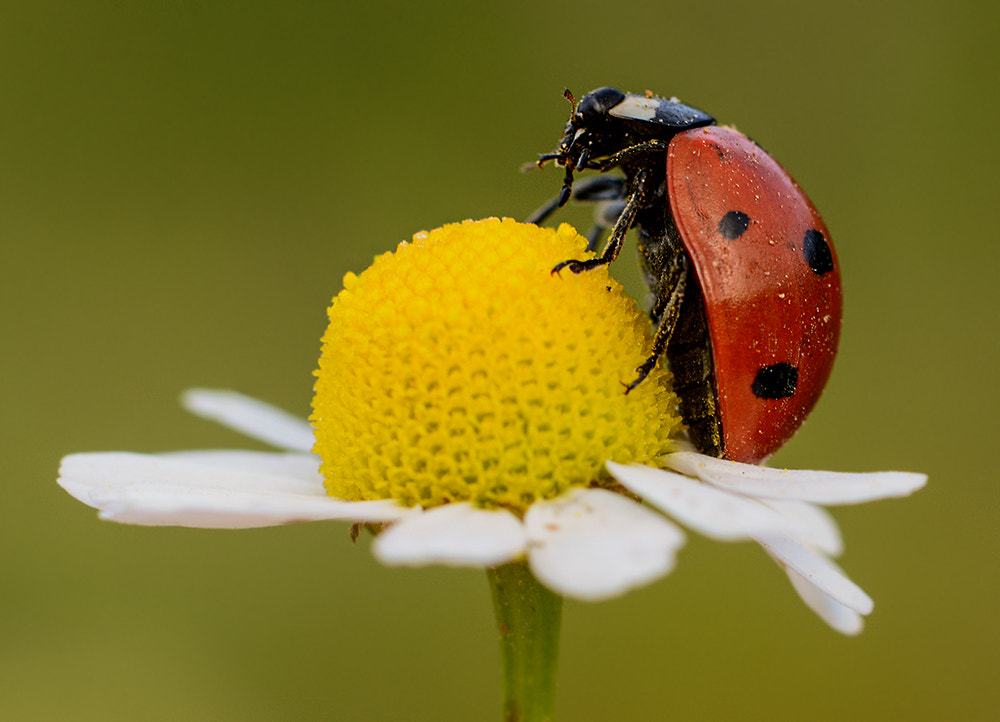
460 369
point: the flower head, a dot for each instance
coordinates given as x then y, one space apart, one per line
470 403
460 369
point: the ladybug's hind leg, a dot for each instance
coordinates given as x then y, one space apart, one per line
666 309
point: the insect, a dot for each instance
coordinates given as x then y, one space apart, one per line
745 284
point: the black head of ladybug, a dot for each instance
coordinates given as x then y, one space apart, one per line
607 121
588 134
591 132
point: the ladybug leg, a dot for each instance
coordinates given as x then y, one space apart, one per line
606 215
623 156
598 188
624 222
667 310
544 212
601 188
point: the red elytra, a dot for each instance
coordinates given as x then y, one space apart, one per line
769 279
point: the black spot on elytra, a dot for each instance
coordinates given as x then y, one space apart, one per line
775 382
733 225
817 252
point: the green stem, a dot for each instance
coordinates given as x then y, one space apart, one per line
528 618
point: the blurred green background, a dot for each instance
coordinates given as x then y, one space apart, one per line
182 188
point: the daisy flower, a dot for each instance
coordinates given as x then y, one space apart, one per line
469 409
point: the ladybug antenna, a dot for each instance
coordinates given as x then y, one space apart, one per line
568 94
567 189
557 155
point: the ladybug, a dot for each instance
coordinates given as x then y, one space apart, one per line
745 284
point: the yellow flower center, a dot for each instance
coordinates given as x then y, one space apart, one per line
460 369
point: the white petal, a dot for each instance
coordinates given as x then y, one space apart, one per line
843 619
818 487
593 544
169 491
454 534
816 527
256 419
714 513
296 465
818 571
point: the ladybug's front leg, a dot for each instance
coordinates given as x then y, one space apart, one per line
667 309
623 156
640 188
